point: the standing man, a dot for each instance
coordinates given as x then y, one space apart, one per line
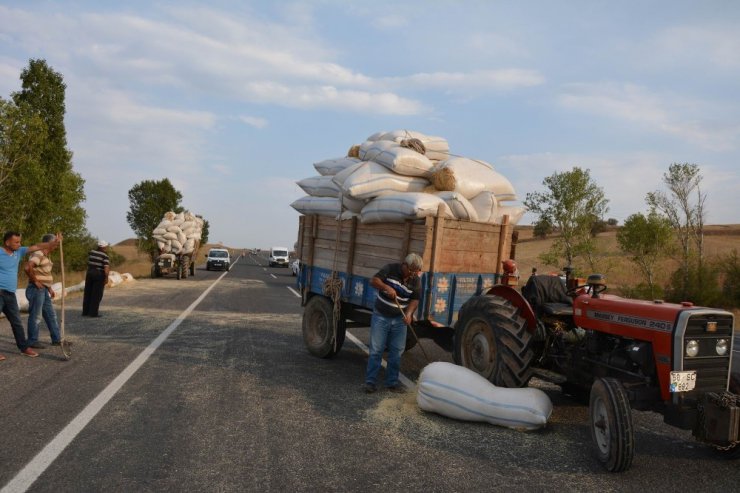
98 268
40 294
395 283
10 256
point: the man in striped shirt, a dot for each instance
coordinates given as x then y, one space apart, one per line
39 294
398 288
98 268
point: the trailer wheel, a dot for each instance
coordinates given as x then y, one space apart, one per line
154 272
178 269
610 419
491 339
318 320
192 269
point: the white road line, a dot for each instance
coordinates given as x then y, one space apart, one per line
30 473
273 276
404 380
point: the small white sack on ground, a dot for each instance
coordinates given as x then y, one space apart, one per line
460 206
457 392
322 206
319 186
401 160
437 148
400 206
330 167
371 179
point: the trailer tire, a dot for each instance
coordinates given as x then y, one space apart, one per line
192 269
491 339
610 420
318 328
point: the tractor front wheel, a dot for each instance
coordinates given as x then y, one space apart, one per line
491 339
610 419
318 328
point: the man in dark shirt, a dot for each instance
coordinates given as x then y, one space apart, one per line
397 284
98 268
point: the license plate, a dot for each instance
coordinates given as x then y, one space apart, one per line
683 381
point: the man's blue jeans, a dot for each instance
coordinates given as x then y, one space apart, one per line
390 332
40 305
9 306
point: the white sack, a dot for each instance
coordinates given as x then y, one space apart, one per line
159 231
181 238
322 206
437 148
114 279
515 213
485 205
174 228
319 186
170 236
347 215
331 167
399 206
460 206
340 177
371 179
352 205
399 159
474 176
376 136
459 393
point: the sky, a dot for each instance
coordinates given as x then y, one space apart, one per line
233 101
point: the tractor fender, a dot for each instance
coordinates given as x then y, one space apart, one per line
516 299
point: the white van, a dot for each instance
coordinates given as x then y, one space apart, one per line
279 256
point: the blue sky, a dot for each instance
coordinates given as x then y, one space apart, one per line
234 101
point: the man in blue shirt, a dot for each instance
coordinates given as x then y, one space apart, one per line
10 256
398 288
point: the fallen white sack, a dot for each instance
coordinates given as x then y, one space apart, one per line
319 186
460 206
400 206
457 392
437 148
322 206
114 279
393 156
330 167
370 179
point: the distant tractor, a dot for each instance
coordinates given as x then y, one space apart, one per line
180 264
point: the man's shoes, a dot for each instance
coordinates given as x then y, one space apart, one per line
30 352
398 389
59 343
369 388
37 345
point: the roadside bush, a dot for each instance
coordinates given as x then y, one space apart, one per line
642 291
702 285
730 267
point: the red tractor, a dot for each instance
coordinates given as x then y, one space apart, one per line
623 354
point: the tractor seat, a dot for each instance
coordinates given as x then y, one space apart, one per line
557 309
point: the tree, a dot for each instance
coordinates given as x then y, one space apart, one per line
684 208
646 240
571 204
149 200
21 136
542 228
57 191
204 231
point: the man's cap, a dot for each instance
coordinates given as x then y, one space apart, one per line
102 244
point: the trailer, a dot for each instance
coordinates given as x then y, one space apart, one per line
180 264
338 259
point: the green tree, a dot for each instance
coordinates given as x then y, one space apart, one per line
204 231
21 136
57 191
683 205
646 239
572 203
542 228
149 200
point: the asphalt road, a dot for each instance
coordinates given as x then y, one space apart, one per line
231 401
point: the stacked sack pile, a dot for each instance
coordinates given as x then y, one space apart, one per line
178 233
400 175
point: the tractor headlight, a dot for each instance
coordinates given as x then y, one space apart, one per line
692 348
722 347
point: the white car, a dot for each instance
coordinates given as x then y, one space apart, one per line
295 266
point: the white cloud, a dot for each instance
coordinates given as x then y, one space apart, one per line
491 80
253 121
717 45
670 114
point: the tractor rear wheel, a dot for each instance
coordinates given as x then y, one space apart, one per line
318 328
610 419
491 339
